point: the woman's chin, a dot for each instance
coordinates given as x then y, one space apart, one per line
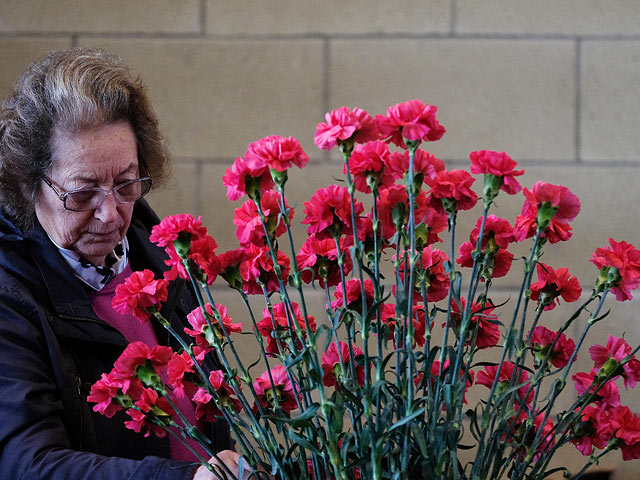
96 250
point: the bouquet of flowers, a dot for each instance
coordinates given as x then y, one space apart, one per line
378 389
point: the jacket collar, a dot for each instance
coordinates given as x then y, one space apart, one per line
46 273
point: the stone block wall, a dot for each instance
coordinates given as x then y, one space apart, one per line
554 83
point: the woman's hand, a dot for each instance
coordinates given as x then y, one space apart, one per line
231 460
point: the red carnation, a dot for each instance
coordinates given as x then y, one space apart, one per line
138 354
184 236
275 327
412 120
388 317
276 152
328 212
103 393
168 230
200 329
202 254
150 406
552 284
241 179
424 164
208 408
367 164
354 295
140 295
229 265
497 235
593 431
612 356
333 373
542 339
259 266
550 207
497 164
179 369
626 427
507 372
436 373
608 394
431 274
393 206
249 226
624 259
451 191
482 319
281 389
318 260
342 125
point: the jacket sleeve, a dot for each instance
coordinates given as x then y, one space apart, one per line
33 440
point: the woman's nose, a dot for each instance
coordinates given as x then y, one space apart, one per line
107 211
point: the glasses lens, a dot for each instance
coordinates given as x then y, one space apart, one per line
81 200
133 190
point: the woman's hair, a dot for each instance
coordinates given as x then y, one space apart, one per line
67 92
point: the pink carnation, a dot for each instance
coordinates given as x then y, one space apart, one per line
424 163
333 372
276 152
412 120
242 179
368 166
617 349
281 389
328 212
498 164
541 340
560 207
249 227
139 295
451 191
342 125
625 258
318 260
552 284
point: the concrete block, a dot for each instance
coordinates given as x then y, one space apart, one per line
180 193
98 16
213 98
517 96
17 53
279 17
610 106
549 17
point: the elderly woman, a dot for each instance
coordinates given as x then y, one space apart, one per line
79 148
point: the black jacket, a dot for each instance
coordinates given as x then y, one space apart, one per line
53 348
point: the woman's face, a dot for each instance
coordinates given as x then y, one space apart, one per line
104 157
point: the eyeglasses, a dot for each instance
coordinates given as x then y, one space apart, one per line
91 198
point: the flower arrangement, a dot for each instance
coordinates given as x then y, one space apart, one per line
378 390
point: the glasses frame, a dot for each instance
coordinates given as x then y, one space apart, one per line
105 191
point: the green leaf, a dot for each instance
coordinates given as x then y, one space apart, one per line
406 419
303 442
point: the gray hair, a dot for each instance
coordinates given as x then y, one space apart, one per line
69 91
